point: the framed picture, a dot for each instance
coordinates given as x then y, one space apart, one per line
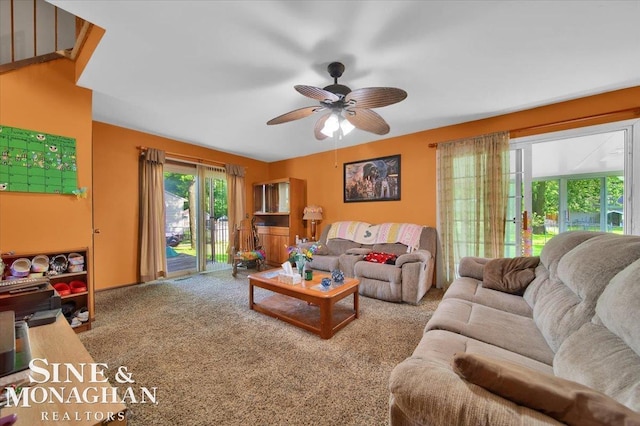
377 179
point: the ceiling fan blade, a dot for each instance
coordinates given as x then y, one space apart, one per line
374 97
367 120
294 115
319 125
317 93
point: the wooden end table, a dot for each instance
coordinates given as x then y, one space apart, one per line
307 304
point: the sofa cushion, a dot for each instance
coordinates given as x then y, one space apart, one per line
564 400
559 245
510 275
606 352
395 248
569 301
599 359
337 246
440 346
358 250
535 287
498 328
472 290
381 272
325 263
617 308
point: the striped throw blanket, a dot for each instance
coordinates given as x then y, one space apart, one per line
352 230
365 233
405 233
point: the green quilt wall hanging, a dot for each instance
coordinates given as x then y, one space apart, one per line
32 161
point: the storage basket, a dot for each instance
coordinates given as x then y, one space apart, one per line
59 263
21 267
75 268
62 289
76 259
78 286
40 263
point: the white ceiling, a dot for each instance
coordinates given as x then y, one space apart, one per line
212 73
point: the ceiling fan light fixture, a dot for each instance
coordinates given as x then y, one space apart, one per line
331 125
334 122
346 126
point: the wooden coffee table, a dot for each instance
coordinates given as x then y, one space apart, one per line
306 305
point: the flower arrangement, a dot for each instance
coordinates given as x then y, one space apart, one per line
297 253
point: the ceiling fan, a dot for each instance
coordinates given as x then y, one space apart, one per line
345 109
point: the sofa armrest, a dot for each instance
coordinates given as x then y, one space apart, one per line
416 256
472 267
425 392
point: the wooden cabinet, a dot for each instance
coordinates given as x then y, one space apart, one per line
275 240
278 208
64 266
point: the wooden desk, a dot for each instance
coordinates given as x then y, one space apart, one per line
58 343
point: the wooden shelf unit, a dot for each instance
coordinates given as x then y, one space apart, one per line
278 208
82 299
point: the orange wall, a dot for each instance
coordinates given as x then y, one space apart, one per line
116 195
44 97
418 161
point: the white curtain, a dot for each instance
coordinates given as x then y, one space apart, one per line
473 179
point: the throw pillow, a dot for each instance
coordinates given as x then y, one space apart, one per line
561 399
510 275
377 257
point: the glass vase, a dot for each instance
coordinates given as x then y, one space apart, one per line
300 264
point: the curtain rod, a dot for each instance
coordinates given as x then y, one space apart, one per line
620 115
188 157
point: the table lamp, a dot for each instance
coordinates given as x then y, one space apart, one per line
313 213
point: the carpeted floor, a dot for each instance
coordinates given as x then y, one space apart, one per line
215 362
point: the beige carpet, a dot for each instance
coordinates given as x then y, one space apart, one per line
215 362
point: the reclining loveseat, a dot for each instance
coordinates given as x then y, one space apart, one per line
393 261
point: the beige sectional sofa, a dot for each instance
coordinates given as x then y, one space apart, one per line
579 320
407 279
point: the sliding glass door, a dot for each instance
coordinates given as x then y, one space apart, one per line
196 228
580 179
214 221
181 232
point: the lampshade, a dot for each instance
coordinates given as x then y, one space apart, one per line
312 213
335 122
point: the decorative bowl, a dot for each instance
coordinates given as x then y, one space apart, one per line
21 267
337 275
326 282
